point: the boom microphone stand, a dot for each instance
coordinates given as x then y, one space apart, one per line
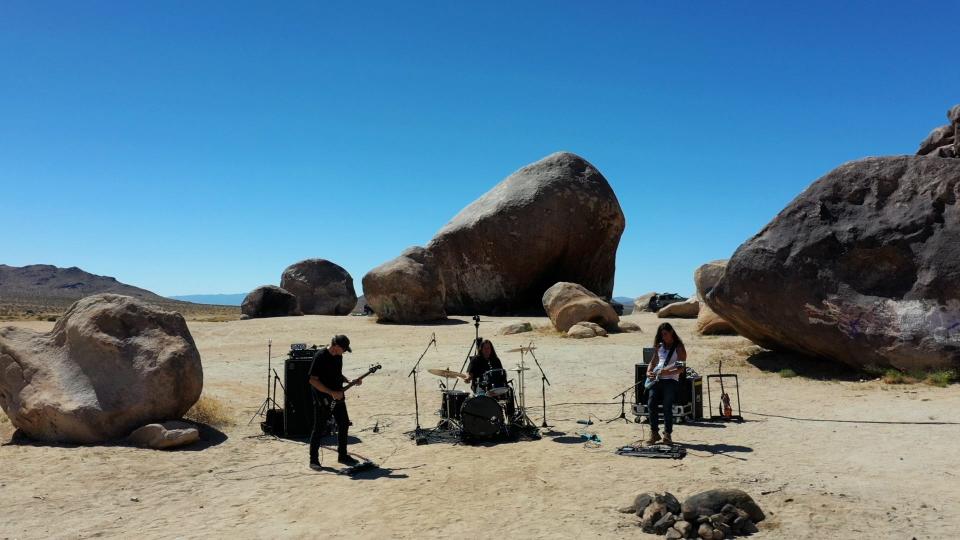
269 402
418 432
543 386
476 343
623 403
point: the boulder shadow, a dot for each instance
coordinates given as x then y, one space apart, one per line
209 437
377 473
807 367
438 322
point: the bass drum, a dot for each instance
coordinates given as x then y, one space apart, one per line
482 417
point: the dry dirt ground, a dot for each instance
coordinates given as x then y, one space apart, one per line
829 458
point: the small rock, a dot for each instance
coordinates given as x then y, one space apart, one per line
749 527
664 523
725 529
703 519
717 534
516 328
135 499
684 527
705 532
627 326
641 502
673 534
728 509
579 331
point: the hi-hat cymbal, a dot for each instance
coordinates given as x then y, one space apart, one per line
519 369
446 373
524 349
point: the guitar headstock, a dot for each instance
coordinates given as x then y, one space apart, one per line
374 368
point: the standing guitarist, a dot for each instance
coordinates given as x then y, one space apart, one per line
665 370
326 380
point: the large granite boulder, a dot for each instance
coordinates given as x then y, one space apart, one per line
570 303
111 364
687 309
269 301
642 303
554 220
406 289
863 267
321 287
705 278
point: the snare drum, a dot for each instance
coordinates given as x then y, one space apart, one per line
494 383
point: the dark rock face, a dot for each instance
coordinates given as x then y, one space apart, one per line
321 287
554 220
863 267
110 365
269 301
713 501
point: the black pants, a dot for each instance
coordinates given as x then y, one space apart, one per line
665 392
321 413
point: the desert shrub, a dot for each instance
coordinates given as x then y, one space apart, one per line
210 411
787 373
3 418
893 376
940 378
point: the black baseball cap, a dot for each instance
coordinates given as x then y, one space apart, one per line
341 340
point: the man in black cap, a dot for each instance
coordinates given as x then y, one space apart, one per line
326 380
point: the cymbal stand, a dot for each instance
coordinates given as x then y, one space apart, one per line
270 402
543 387
418 434
475 344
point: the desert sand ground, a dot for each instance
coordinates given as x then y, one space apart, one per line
860 465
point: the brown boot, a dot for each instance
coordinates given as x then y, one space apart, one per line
666 439
654 437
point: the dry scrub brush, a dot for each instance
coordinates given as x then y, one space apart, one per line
210 411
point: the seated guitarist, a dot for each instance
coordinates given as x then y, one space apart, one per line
326 380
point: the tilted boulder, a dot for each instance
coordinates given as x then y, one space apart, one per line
111 364
554 220
406 289
321 287
706 277
863 267
269 301
569 303
688 309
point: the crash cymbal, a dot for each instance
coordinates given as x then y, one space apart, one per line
524 349
446 373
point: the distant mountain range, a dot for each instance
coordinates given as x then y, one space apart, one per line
43 289
214 299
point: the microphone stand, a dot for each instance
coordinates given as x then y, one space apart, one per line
418 432
543 387
476 343
623 403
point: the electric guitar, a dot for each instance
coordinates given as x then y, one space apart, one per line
373 369
725 409
648 384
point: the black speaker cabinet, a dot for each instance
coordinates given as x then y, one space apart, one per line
297 401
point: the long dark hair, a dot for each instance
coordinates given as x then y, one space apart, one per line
658 339
493 351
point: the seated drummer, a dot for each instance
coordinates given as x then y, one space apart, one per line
482 363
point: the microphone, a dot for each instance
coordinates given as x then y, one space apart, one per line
434 339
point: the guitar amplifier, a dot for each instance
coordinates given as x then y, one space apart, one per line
297 399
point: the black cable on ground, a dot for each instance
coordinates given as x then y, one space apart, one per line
892 422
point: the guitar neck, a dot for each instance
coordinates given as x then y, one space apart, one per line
352 383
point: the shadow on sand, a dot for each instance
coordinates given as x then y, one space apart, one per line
807 367
209 437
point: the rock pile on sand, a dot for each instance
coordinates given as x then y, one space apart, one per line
554 220
863 267
110 365
711 515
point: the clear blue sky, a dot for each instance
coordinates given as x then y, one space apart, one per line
201 147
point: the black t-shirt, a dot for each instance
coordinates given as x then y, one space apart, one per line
328 368
480 365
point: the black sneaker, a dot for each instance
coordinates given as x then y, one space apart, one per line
347 459
315 465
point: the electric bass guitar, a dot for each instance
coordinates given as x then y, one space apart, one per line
373 369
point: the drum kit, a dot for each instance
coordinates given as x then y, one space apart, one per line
495 411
